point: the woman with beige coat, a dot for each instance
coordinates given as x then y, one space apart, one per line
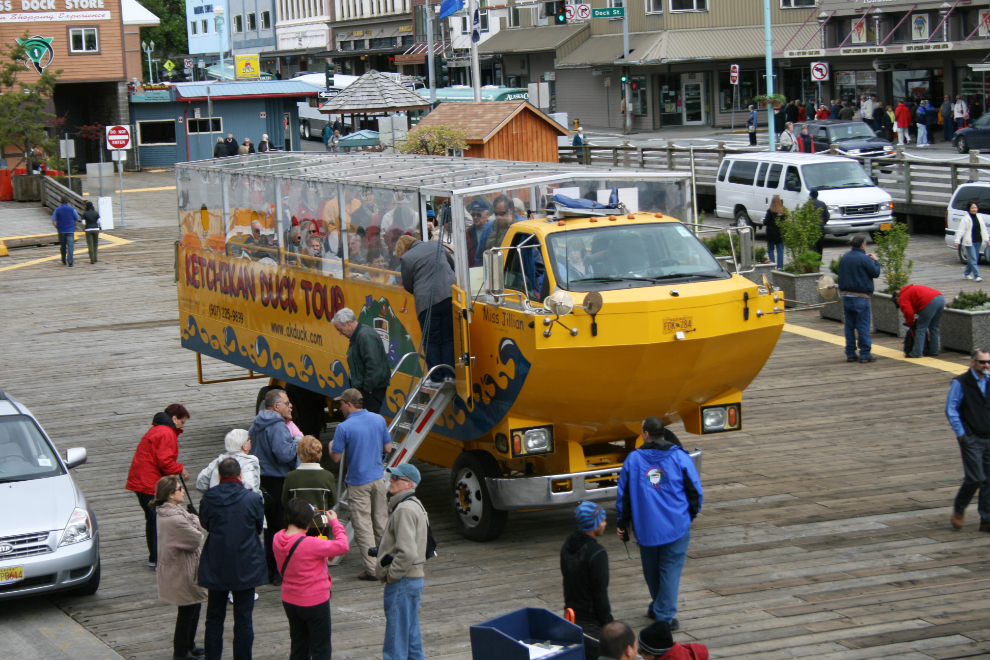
180 537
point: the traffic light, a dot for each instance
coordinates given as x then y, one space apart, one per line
442 71
561 14
329 73
625 74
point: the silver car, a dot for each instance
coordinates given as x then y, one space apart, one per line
49 540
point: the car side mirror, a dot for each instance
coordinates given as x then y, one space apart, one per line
494 272
75 457
745 263
875 180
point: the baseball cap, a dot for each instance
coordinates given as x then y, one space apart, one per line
405 470
351 396
479 205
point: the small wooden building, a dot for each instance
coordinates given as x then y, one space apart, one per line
509 130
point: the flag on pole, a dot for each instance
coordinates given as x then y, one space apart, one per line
476 30
448 7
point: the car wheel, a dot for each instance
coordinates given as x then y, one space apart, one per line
92 584
308 134
963 259
477 519
961 145
742 219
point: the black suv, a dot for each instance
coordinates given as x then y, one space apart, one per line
855 138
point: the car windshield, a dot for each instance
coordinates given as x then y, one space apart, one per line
621 257
24 452
856 130
838 174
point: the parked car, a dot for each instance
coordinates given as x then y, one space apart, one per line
963 196
746 183
975 136
852 137
49 540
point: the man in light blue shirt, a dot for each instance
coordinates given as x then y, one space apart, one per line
364 436
64 218
968 410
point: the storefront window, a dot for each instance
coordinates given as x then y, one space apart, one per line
638 84
975 89
670 100
917 83
751 83
853 84
799 85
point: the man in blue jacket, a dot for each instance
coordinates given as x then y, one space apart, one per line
857 270
659 492
272 443
232 560
64 218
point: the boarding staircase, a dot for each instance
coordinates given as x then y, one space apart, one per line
422 409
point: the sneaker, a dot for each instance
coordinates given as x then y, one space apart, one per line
151 564
868 358
977 279
675 625
968 277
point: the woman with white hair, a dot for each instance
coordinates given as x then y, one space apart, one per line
265 144
238 445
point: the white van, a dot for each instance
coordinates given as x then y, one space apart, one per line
311 120
747 182
964 195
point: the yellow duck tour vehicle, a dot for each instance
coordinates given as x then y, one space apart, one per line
598 307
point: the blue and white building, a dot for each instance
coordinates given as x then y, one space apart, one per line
201 28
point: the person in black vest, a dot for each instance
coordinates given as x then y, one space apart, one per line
968 411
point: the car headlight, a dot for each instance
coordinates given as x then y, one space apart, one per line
535 440
854 151
835 210
889 147
79 528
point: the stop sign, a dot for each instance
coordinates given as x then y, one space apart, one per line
734 74
118 137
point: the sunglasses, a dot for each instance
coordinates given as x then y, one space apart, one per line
395 477
982 361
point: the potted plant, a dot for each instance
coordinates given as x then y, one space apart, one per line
966 322
800 229
775 100
892 247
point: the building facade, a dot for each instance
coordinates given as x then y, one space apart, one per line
370 34
201 29
302 30
252 27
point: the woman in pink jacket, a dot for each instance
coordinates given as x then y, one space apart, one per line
302 562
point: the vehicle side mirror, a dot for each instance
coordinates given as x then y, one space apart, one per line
745 249
75 457
880 133
875 180
494 272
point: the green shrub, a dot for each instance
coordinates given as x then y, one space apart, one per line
760 254
801 229
892 253
808 261
719 244
834 266
975 301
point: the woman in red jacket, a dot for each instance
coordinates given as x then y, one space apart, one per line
154 458
902 117
805 143
822 113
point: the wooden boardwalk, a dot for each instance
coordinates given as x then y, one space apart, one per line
824 532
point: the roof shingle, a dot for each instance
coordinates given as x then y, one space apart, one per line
481 119
374 92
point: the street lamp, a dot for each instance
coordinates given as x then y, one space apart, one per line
218 15
148 48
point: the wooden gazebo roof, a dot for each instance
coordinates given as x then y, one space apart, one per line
372 93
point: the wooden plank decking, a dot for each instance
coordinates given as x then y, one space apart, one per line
824 533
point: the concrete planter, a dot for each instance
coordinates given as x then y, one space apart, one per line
802 288
833 312
886 316
962 330
27 187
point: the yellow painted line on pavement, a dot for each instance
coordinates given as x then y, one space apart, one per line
114 192
882 351
80 250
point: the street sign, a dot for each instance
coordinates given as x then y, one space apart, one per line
188 62
608 82
264 115
118 156
329 94
819 71
196 113
584 11
168 66
734 74
570 12
67 148
118 137
608 12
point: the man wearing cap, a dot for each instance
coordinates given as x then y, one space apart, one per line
400 564
479 218
584 565
364 436
656 642
367 361
659 492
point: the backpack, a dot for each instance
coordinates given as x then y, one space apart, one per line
431 543
909 341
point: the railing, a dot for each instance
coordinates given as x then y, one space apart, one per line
918 185
52 193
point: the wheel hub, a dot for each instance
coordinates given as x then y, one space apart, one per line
467 498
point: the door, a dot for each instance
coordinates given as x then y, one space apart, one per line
286 122
693 102
462 345
791 188
821 140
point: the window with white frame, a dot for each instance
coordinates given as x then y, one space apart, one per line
654 6
238 23
795 4
688 5
153 133
205 23
483 15
252 22
84 40
266 20
515 17
194 126
193 28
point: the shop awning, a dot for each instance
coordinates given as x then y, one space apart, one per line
291 53
604 50
717 44
532 39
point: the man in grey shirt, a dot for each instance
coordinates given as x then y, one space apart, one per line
428 273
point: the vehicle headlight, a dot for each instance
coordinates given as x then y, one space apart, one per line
715 419
535 440
79 528
835 210
854 151
889 147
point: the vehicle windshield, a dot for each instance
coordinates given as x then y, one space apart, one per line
24 452
857 131
640 255
839 174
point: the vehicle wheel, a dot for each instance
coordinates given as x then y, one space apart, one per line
477 519
92 584
961 145
963 259
259 405
742 219
308 135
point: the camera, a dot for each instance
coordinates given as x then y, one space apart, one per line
372 552
385 560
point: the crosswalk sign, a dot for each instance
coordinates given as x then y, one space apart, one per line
168 65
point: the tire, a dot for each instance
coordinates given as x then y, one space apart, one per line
92 584
307 133
961 145
742 219
259 405
477 519
963 259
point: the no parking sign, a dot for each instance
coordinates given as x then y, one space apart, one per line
819 71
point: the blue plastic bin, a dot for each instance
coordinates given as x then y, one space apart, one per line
500 638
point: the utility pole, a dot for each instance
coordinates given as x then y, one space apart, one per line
430 64
625 58
768 47
218 15
475 66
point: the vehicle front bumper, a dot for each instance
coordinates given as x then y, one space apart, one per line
537 492
67 567
843 226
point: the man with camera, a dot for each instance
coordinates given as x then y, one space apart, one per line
401 558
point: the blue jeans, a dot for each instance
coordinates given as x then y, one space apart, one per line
216 612
976 476
440 342
928 319
857 313
922 134
779 247
662 565
973 261
402 639
948 127
66 246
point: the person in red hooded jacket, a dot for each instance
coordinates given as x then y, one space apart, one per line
922 307
156 456
902 117
656 643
